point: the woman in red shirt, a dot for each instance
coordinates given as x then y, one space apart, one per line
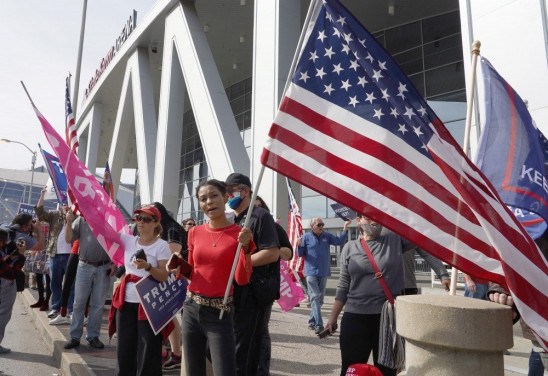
211 251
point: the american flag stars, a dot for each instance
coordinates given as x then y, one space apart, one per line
336 65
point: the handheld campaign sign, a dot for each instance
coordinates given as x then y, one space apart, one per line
343 212
26 209
161 300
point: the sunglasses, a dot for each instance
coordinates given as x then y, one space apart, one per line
140 218
320 224
191 224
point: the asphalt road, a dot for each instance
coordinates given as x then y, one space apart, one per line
29 354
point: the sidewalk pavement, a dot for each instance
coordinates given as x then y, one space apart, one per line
295 348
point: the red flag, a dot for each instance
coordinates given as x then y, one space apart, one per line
294 230
354 128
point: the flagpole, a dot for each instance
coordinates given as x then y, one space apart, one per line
246 223
28 95
311 8
79 60
466 146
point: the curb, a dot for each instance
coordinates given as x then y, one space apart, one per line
68 361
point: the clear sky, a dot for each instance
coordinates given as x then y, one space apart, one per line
40 47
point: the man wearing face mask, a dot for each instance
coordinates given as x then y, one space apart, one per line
361 293
253 301
315 248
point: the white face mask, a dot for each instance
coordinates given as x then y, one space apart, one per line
373 231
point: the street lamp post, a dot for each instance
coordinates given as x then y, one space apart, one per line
33 162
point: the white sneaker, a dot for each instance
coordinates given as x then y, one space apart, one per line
53 313
60 320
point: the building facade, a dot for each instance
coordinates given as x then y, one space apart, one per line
193 88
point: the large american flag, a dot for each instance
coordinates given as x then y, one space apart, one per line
294 230
353 127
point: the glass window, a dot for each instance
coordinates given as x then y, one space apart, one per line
436 28
410 61
443 51
237 90
418 81
444 79
238 105
403 38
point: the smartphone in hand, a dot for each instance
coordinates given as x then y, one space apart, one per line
174 261
324 333
141 255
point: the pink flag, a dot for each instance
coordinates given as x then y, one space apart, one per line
294 230
102 215
291 292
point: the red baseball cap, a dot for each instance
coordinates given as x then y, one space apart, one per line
362 370
150 210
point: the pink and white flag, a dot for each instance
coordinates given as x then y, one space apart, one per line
103 217
291 292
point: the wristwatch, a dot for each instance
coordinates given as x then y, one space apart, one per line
147 269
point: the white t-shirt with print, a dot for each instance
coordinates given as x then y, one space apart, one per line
159 250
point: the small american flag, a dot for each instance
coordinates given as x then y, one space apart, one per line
294 230
71 138
70 126
107 182
353 127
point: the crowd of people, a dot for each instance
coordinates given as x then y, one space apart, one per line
236 342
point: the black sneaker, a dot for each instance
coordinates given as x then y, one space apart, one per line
173 362
96 343
311 326
72 344
318 329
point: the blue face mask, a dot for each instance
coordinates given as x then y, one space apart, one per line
234 201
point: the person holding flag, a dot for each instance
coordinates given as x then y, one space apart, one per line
59 251
252 301
211 248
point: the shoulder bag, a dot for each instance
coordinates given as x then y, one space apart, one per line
391 344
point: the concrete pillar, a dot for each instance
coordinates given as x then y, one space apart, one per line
453 335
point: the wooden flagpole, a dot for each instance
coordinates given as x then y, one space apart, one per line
466 147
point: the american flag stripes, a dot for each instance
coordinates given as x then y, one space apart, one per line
70 126
71 138
294 230
353 127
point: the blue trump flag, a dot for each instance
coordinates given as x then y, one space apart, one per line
57 175
512 151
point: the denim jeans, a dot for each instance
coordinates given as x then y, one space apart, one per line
316 292
536 367
92 279
58 268
481 292
201 327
